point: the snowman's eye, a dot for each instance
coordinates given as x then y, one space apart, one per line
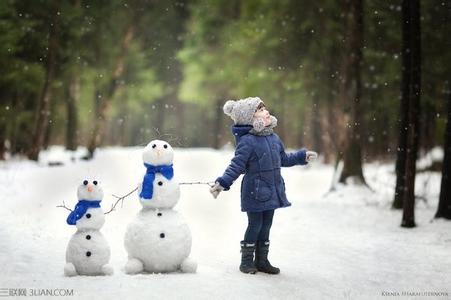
85 182
153 146
165 146
95 182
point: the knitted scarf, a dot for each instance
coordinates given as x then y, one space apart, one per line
147 186
80 209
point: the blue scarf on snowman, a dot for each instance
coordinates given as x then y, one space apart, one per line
147 187
80 209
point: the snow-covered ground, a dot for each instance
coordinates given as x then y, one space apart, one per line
344 245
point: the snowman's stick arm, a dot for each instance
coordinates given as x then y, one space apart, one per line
64 206
211 183
120 199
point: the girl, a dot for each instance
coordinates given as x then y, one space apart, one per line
259 156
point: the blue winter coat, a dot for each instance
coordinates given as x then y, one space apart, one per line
259 158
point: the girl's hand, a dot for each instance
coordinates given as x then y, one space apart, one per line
216 189
311 156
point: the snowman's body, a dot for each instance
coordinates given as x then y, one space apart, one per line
166 193
88 252
162 246
158 240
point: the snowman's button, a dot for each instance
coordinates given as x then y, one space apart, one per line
88 216
159 214
162 235
88 254
160 182
88 237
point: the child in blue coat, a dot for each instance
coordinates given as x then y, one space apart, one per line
259 155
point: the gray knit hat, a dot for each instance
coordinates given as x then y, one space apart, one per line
242 111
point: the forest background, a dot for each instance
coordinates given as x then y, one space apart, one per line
357 81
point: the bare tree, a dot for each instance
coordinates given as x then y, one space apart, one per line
412 49
2 140
351 92
217 126
444 205
103 98
72 99
43 108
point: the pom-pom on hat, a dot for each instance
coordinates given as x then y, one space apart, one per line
242 111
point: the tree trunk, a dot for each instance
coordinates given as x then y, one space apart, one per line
160 116
73 95
427 126
180 121
411 14
403 114
103 99
122 123
2 140
444 205
352 89
48 132
280 114
300 138
43 108
315 124
4 123
217 123
14 133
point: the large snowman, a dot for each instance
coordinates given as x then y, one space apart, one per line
158 240
88 252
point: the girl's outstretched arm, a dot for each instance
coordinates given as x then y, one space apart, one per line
292 159
237 165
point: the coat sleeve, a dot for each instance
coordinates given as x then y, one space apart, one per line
292 159
237 165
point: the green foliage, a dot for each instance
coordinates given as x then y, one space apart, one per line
140 85
204 52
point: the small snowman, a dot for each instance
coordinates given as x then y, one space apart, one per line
88 252
158 240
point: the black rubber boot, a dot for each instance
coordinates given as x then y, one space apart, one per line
261 259
247 258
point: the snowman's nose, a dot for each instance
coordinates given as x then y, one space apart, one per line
158 152
90 188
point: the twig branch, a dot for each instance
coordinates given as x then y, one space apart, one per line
172 137
211 183
64 206
120 199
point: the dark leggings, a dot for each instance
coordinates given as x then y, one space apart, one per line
259 226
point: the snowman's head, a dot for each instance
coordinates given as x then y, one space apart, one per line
94 218
90 190
158 153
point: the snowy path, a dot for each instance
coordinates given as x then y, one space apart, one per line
345 246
